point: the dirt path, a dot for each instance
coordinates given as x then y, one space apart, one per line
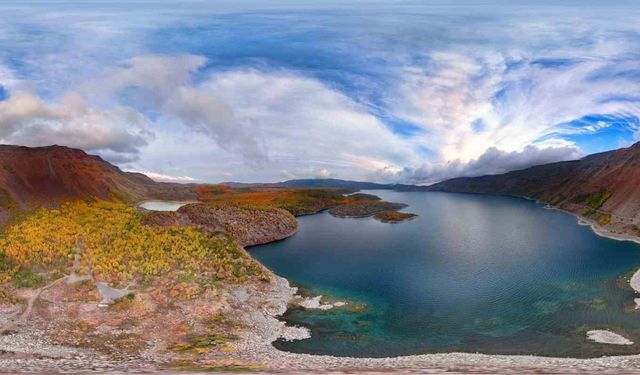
32 300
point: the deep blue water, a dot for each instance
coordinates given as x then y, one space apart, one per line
472 273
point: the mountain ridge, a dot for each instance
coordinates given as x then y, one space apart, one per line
49 175
601 188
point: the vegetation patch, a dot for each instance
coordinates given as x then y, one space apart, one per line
5 199
123 303
198 342
210 366
604 219
363 197
6 166
393 216
82 291
116 246
26 278
7 295
593 201
365 208
296 201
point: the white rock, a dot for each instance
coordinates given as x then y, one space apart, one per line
607 337
314 304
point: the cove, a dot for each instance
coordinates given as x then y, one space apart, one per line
472 273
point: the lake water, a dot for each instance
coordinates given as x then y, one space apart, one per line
162 205
472 273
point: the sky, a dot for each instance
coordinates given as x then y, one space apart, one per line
256 91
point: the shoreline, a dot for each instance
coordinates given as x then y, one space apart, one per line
256 345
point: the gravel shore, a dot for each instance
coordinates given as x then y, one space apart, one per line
255 347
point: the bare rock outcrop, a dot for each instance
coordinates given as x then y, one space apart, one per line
248 225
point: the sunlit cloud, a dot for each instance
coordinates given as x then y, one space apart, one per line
160 177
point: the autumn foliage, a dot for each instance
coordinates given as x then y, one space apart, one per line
114 245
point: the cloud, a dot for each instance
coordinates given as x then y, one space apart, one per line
306 173
165 178
25 119
304 124
469 105
492 161
164 85
151 80
275 120
301 128
447 97
8 80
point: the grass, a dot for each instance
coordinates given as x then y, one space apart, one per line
5 199
393 216
25 278
296 201
593 201
604 219
123 303
197 342
191 366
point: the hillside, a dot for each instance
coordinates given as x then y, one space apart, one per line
46 176
602 188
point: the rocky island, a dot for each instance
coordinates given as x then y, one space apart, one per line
366 205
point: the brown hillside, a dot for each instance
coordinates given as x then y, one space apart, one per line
604 187
46 176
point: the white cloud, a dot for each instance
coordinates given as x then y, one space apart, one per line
164 84
306 173
165 177
492 161
25 119
8 80
447 97
301 123
276 121
468 104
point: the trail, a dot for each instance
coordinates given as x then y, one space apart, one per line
36 295
32 300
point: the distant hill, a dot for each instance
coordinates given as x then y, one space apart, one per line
603 187
334 183
348 184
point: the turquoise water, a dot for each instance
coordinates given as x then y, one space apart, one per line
472 273
162 205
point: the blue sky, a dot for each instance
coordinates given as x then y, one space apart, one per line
401 91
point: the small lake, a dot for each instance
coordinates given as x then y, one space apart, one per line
472 273
162 205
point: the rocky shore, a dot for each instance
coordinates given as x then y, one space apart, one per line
255 347
257 310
